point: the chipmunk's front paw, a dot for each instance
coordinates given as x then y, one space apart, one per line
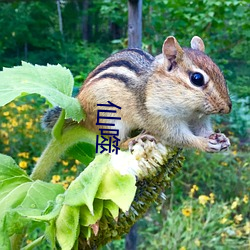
141 139
218 142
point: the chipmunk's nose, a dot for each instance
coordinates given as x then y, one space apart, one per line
226 109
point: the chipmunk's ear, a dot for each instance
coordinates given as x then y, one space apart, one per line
171 49
197 43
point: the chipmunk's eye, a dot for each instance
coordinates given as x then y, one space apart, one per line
197 79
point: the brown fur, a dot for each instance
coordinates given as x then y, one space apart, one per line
156 94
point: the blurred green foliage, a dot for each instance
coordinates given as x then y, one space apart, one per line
30 32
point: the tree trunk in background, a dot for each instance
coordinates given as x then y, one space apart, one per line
59 16
135 23
134 41
85 20
131 238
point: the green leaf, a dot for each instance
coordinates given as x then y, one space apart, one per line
83 189
112 208
4 240
53 82
14 223
58 127
26 202
10 201
14 198
67 226
50 234
86 218
6 186
20 197
86 231
83 152
39 194
46 216
118 188
9 168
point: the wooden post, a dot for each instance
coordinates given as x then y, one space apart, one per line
134 41
131 238
85 20
58 2
134 23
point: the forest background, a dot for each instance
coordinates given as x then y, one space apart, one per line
207 205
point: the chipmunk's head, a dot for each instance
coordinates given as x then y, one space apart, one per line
197 75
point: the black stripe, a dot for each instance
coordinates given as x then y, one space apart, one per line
142 53
118 63
118 77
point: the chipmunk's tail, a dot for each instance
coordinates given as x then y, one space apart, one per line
50 117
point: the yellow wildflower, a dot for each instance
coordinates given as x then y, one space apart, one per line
65 185
14 123
35 159
183 248
24 154
55 178
247 227
6 113
193 190
28 241
187 211
197 152
245 199
24 107
73 168
12 105
211 195
234 152
29 124
4 134
203 199
197 242
224 164
238 218
6 149
65 163
235 203
223 235
77 162
6 141
238 233
70 178
23 164
223 220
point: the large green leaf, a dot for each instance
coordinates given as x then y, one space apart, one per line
83 189
20 197
40 193
84 152
67 226
53 82
118 188
86 218
112 208
6 186
9 168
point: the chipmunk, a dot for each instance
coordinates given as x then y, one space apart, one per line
170 96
